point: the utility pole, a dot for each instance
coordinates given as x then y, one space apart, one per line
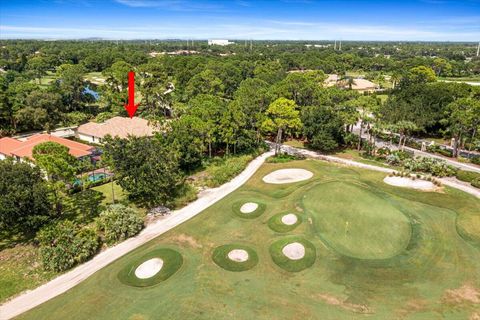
251 45
335 45
478 49
340 46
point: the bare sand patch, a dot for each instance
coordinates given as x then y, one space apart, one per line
248 207
406 182
238 255
187 240
289 219
465 293
294 251
149 268
358 308
287 176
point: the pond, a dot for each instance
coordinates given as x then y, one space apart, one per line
92 92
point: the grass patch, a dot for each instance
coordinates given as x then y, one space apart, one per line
252 215
21 269
275 223
293 265
172 261
296 143
116 192
220 257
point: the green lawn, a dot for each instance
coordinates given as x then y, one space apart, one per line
404 254
108 193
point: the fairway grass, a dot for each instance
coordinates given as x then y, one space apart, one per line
404 254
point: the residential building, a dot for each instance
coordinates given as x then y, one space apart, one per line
10 147
116 127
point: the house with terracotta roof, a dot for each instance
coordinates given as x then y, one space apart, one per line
116 127
20 150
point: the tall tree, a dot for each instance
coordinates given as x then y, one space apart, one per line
59 166
24 203
281 116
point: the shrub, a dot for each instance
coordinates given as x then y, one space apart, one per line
284 157
433 166
118 223
475 160
476 183
350 140
220 173
467 176
393 159
65 244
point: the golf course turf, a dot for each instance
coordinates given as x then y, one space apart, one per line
372 251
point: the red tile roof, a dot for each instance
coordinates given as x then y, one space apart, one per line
8 144
24 148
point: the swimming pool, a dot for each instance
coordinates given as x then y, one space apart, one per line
91 178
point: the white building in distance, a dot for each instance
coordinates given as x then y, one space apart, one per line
219 42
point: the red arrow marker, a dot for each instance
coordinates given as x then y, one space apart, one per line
131 107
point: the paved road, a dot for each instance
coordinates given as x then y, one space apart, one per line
33 298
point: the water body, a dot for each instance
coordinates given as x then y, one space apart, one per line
94 93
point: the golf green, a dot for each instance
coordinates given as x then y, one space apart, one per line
357 222
371 251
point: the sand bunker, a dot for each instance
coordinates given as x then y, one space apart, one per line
410 183
294 251
289 219
238 255
149 268
287 176
249 207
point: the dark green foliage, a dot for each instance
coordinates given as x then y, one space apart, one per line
467 176
147 168
476 183
24 201
323 128
172 261
118 223
65 244
220 257
283 158
293 265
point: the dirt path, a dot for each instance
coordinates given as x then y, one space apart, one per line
35 297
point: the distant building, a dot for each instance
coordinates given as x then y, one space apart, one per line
10 147
116 127
219 42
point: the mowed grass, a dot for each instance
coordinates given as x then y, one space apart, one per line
428 268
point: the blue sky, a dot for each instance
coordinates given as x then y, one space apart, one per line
428 20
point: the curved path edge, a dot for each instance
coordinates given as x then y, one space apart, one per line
61 284
313 154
